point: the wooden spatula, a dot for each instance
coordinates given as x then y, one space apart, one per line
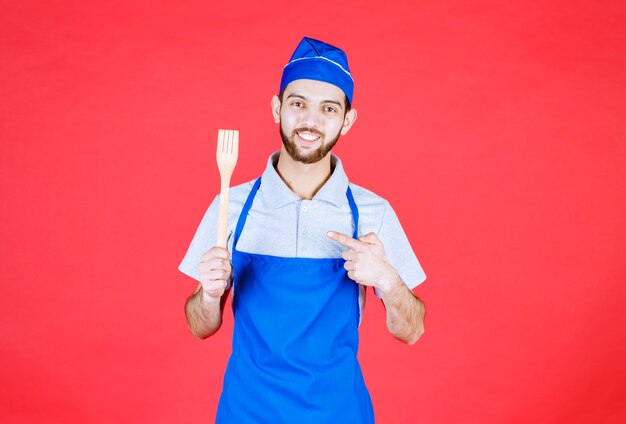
227 152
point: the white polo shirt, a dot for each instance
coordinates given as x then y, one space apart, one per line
282 224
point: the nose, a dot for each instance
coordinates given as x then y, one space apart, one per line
311 118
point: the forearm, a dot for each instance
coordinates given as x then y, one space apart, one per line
404 313
204 313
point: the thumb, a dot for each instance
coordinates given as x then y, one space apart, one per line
370 238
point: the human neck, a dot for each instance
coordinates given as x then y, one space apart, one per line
303 179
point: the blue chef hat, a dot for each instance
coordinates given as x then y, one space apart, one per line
319 61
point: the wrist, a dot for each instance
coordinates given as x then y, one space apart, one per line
388 287
206 300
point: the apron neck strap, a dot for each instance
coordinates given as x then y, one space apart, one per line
246 208
244 212
355 212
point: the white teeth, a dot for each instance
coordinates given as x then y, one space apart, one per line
308 137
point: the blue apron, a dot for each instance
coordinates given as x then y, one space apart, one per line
295 340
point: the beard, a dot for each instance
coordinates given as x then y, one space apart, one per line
310 157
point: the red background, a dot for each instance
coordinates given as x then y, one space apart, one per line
495 129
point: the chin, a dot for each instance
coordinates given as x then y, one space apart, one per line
310 157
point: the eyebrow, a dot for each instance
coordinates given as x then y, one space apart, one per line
299 96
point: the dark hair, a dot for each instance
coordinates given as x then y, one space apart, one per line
346 102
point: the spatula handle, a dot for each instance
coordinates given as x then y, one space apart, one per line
222 219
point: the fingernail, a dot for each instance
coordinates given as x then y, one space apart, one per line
330 234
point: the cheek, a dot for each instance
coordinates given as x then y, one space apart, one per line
290 119
286 122
334 127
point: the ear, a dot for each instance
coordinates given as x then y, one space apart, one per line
348 121
276 108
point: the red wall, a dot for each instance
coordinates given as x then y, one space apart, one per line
495 129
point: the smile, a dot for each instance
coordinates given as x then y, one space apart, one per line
307 136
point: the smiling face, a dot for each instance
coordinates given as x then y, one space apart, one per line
312 116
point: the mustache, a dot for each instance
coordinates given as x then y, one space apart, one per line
310 130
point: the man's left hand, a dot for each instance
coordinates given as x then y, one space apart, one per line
366 261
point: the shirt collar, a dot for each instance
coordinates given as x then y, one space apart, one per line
333 191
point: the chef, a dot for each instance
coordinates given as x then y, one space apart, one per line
304 244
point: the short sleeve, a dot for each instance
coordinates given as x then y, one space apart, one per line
203 240
399 250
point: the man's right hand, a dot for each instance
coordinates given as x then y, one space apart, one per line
215 272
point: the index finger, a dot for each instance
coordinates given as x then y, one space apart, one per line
215 252
346 240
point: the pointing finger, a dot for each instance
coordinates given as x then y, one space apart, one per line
346 241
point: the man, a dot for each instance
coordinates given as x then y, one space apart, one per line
304 245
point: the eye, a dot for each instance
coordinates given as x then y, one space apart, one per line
330 109
297 103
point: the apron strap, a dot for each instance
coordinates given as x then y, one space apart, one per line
355 213
244 212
